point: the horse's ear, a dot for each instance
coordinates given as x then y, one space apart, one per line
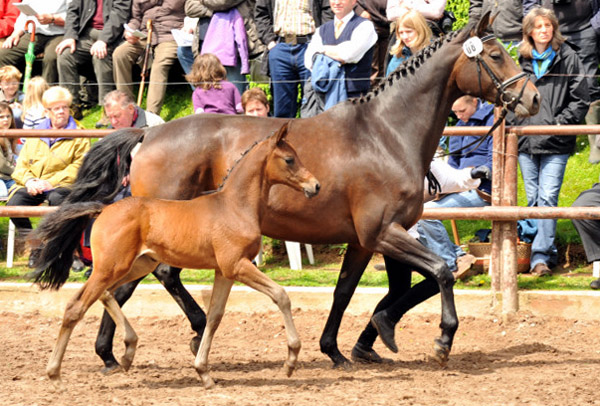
484 23
282 132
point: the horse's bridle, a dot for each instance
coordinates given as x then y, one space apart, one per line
502 96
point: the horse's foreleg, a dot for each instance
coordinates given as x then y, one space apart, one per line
398 244
131 339
218 300
169 277
104 341
355 262
74 312
247 273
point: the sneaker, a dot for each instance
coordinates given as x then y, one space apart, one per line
541 269
595 284
464 266
78 265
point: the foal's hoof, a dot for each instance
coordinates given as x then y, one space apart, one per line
441 352
288 369
111 369
364 355
207 381
195 344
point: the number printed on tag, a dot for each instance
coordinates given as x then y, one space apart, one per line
473 47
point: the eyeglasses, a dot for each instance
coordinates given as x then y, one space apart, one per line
5 117
56 109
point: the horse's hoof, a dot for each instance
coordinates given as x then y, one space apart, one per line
288 369
365 355
112 369
195 345
207 381
56 381
441 353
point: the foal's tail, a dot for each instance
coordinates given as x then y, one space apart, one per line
60 233
104 166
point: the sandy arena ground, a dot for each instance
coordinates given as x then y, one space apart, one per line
532 360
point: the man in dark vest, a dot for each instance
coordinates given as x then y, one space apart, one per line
349 40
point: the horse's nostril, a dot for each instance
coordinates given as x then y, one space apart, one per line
318 187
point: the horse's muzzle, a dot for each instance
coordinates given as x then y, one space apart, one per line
311 189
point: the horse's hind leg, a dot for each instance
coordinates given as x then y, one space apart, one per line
131 339
104 341
76 308
355 262
247 273
398 244
218 300
169 277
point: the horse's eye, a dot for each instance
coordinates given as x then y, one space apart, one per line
496 56
289 160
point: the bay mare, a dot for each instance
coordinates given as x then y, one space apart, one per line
219 231
370 154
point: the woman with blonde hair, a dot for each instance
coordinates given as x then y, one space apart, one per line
412 35
555 69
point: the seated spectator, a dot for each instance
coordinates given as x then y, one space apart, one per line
121 110
432 10
49 30
93 30
165 15
7 156
33 109
46 166
213 94
589 230
9 91
8 16
255 102
432 233
412 34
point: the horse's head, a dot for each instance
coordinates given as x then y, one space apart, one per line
284 167
485 69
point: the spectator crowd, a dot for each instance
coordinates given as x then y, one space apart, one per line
317 53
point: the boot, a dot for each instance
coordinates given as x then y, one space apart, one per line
385 328
365 355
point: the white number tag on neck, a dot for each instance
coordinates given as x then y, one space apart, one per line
473 47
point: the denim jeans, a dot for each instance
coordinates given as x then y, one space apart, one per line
432 233
286 67
186 58
543 177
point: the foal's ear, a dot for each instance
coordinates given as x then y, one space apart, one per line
282 132
484 23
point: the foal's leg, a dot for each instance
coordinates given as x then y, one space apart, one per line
355 262
249 274
131 339
218 300
76 308
169 277
398 244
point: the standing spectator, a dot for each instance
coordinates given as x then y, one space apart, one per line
46 166
412 33
9 91
7 165
470 112
507 23
286 27
374 10
589 230
213 94
347 39
8 16
556 71
226 38
185 53
49 30
93 29
255 102
165 15
121 110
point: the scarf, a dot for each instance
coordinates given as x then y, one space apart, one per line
541 62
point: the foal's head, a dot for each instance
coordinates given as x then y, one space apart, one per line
283 166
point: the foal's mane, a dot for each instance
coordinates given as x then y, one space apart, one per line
235 163
411 65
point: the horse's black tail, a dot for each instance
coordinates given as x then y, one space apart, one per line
60 233
104 166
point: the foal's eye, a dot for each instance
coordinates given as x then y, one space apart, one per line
289 160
